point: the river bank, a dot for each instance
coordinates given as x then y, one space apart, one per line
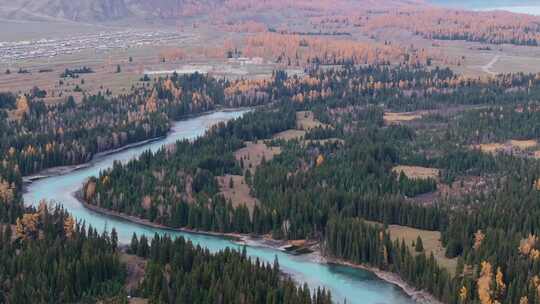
61 170
54 171
316 256
420 296
345 283
239 238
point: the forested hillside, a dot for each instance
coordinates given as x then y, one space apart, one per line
100 11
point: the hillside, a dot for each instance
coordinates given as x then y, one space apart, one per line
76 10
96 11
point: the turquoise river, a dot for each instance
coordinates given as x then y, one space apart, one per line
346 283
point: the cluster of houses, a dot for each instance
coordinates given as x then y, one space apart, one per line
11 51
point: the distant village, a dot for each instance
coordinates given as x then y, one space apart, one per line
48 48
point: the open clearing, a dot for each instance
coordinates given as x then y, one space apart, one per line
489 148
290 135
305 120
135 271
476 58
234 187
105 74
509 146
253 154
431 241
416 172
239 194
133 62
396 118
524 144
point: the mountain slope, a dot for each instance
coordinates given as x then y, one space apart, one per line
75 10
95 11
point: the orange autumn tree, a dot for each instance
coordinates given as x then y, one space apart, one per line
7 192
490 289
527 247
299 50
491 27
31 225
27 226
22 107
247 89
485 294
69 226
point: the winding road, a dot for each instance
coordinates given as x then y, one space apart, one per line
487 68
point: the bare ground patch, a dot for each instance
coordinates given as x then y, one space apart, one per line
290 135
431 241
416 172
305 120
508 147
234 187
135 271
489 148
237 191
397 118
253 154
524 144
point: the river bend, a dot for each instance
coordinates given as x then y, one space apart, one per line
354 285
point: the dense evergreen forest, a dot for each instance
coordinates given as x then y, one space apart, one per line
323 185
354 240
498 124
179 182
179 272
49 258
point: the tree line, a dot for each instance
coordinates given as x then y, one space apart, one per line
180 272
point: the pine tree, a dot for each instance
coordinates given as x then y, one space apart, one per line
419 246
